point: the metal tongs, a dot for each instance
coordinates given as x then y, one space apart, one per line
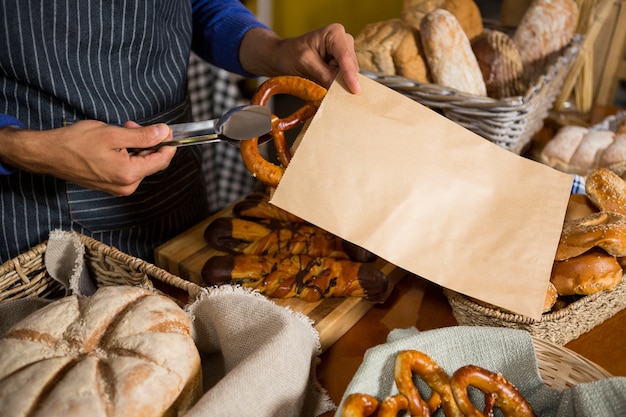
240 123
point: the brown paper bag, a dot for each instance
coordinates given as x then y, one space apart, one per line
429 196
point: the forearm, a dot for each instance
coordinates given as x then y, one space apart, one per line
257 53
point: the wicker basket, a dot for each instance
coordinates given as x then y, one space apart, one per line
510 122
561 368
25 276
558 327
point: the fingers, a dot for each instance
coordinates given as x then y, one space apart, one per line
340 47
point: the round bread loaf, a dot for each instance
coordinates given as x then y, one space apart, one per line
122 352
500 63
589 273
449 53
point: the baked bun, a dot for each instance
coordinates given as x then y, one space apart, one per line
558 152
466 12
551 296
615 153
589 152
579 206
589 273
122 352
449 53
391 47
545 28
500 64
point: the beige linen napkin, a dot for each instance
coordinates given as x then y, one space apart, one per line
258 358
507 351
388 174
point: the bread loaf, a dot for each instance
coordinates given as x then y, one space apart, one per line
122 352
466 12
546 27
391 47
500 64
449 54
586 274
558 152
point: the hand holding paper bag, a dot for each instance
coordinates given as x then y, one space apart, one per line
388 174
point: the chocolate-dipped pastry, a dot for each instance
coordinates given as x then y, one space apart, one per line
299 276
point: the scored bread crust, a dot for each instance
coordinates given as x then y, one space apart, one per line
122 352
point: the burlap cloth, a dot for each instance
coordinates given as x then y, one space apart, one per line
507 351
258 358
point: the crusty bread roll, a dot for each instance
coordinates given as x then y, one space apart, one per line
558 152
587 156
466 12
546 27
551 296
449 54
391 47
500 64
605 230
589 273
122 352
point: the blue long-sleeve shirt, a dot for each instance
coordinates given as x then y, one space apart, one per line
218 28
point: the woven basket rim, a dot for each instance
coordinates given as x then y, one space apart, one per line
459 98
561 367
518 318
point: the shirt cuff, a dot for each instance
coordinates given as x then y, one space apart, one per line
6 121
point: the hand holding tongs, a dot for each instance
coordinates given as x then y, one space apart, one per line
240 123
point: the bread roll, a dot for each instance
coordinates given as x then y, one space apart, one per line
551 296
449 54
606 190
579 206
122 352
587 155
615 153
466 12
391 47
605 230
500 64
546 27
589 273
558 152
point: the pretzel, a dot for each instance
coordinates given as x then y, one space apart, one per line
412 361
312 93
359 405
500 392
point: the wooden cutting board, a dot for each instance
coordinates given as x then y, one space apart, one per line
186 254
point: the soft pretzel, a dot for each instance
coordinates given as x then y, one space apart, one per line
499 392
606 190
312 93
412 361
605 229
449 393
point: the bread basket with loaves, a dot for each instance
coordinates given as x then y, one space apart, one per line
500 87
587 284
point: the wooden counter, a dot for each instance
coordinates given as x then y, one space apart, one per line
418 303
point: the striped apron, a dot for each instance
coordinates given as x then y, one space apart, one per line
112 61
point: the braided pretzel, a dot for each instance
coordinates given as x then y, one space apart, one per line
312 93
499 392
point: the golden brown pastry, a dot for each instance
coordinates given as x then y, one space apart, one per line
606 190
546 27
500 64
551 296
122 352
605 230
589 273
466 12
257 206
578 206
449 54
298 276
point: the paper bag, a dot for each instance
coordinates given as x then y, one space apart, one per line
429 196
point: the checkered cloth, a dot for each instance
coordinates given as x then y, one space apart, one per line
578 186
214 91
